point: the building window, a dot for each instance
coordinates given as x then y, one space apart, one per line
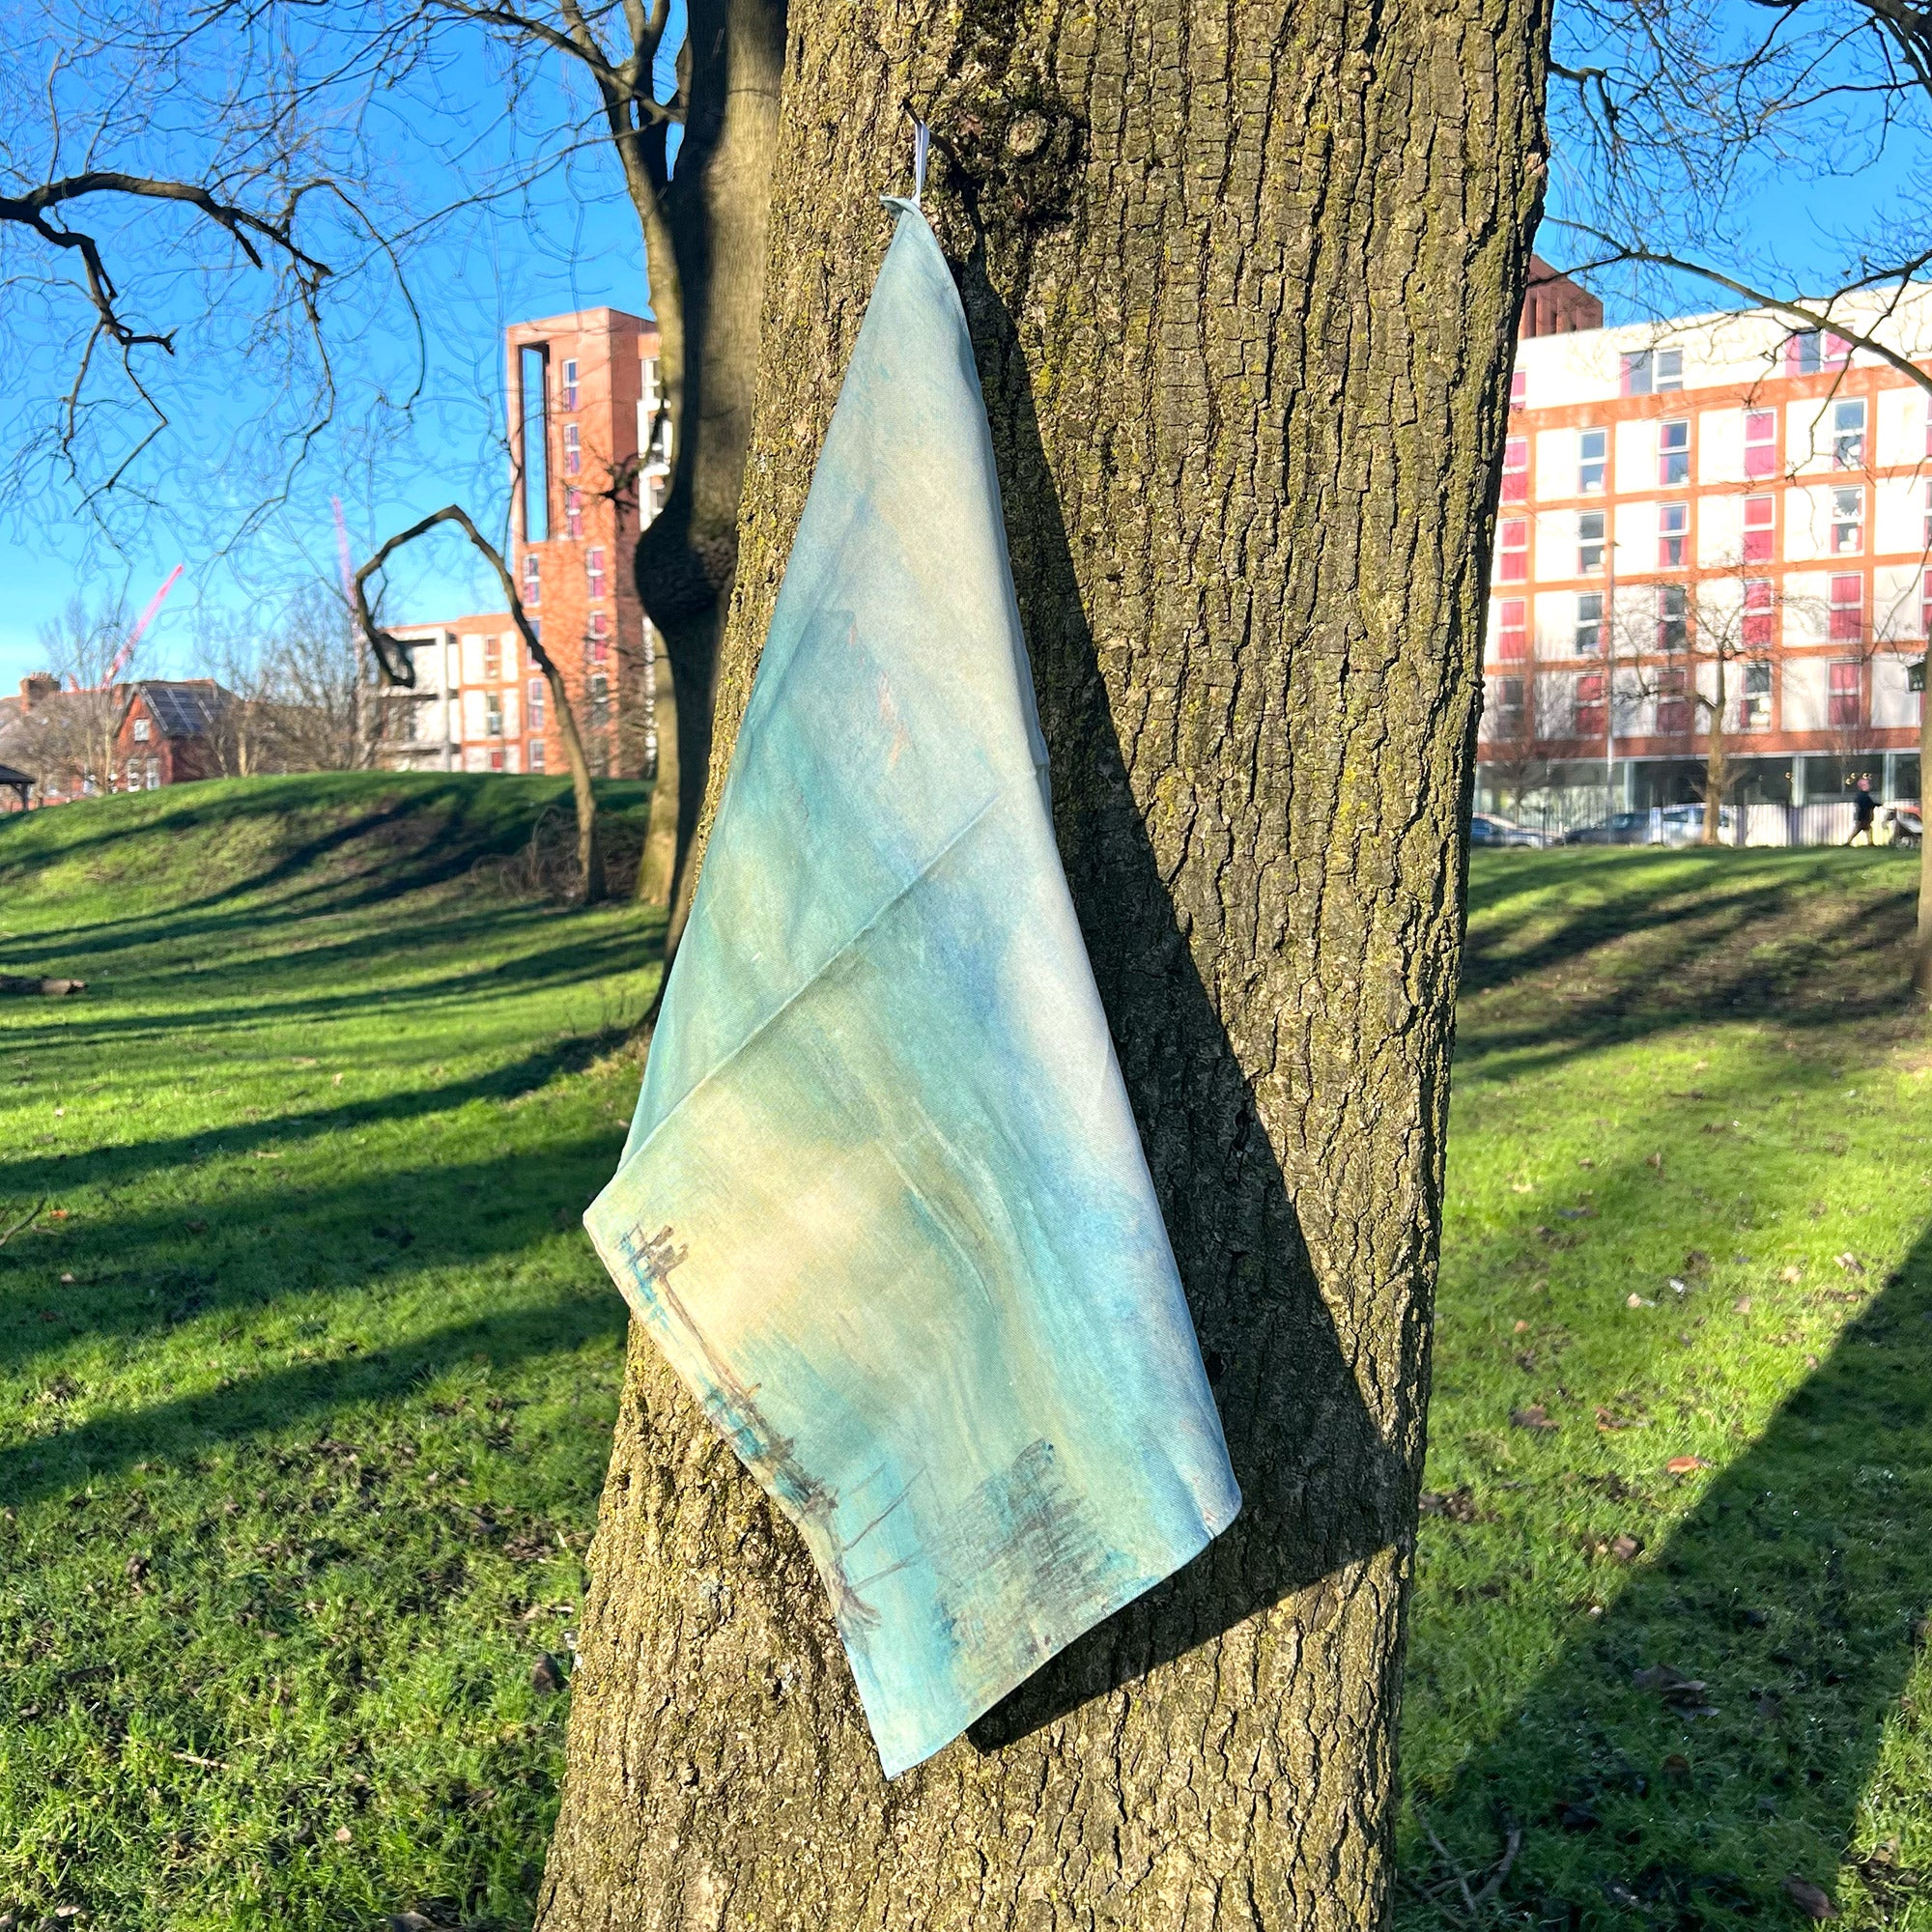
573 450
599 700
1590 705
140 730
1846 691
492 658
1653 372
536 754
1928 516
1756 627
1848 434
1589 623
493 714
1513 546
1813 351
594 570
1759 514
1673 708
597 638
1589 542
1673 617
1673 453
1593 450
570 385
1516 470
1673 525
1509 707
154 775
532 578
573 513
1518 388
533 368
1756 713
535 696
1512 630
1848 522
1760 443
1848 609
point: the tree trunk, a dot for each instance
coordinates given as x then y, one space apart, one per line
715 213
1242 285
1717 760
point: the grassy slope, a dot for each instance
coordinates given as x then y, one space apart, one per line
305 1397
300 1463
1690 1079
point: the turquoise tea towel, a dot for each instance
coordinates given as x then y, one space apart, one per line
883 1204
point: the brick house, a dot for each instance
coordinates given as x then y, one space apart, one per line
167 733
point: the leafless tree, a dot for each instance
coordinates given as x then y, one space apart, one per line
65 735
1682 647
398 668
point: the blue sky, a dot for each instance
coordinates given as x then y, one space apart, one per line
572 242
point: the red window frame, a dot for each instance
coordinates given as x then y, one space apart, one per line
1760 526
1759 600
1847 608
1671 543
1760 443
1512 629
1512 550
594 570
1589 708
1516 470
1673 705
1846 693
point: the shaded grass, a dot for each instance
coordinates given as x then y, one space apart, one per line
1693 1080
306 1371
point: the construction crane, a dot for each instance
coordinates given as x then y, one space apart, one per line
135 636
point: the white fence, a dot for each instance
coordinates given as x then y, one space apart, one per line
1827 822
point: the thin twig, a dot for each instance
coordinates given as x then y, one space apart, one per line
24 1221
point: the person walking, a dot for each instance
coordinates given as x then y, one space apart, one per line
1864 808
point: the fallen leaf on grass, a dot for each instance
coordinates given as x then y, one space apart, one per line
1791 1274
1813 1900
411 1921
1522 1187
1608 1419
1742 1305
1684 1694
1683 1466
1456 1505
1535 1416
1851 1264
1635 1300
547 1676
197 1227
342 1834
1626 1549
1521 1329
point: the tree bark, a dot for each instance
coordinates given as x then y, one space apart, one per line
714 222
1242 285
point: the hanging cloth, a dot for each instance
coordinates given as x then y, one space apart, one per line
883 1204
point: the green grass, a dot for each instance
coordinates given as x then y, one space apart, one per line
299 1465
306 1371
1693 1080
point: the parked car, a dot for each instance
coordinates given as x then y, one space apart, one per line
1624 828
1684 825
1487 829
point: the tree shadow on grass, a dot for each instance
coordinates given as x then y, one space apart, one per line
1816 939
111 1442
1791 1592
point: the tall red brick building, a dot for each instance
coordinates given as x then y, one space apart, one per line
589 464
